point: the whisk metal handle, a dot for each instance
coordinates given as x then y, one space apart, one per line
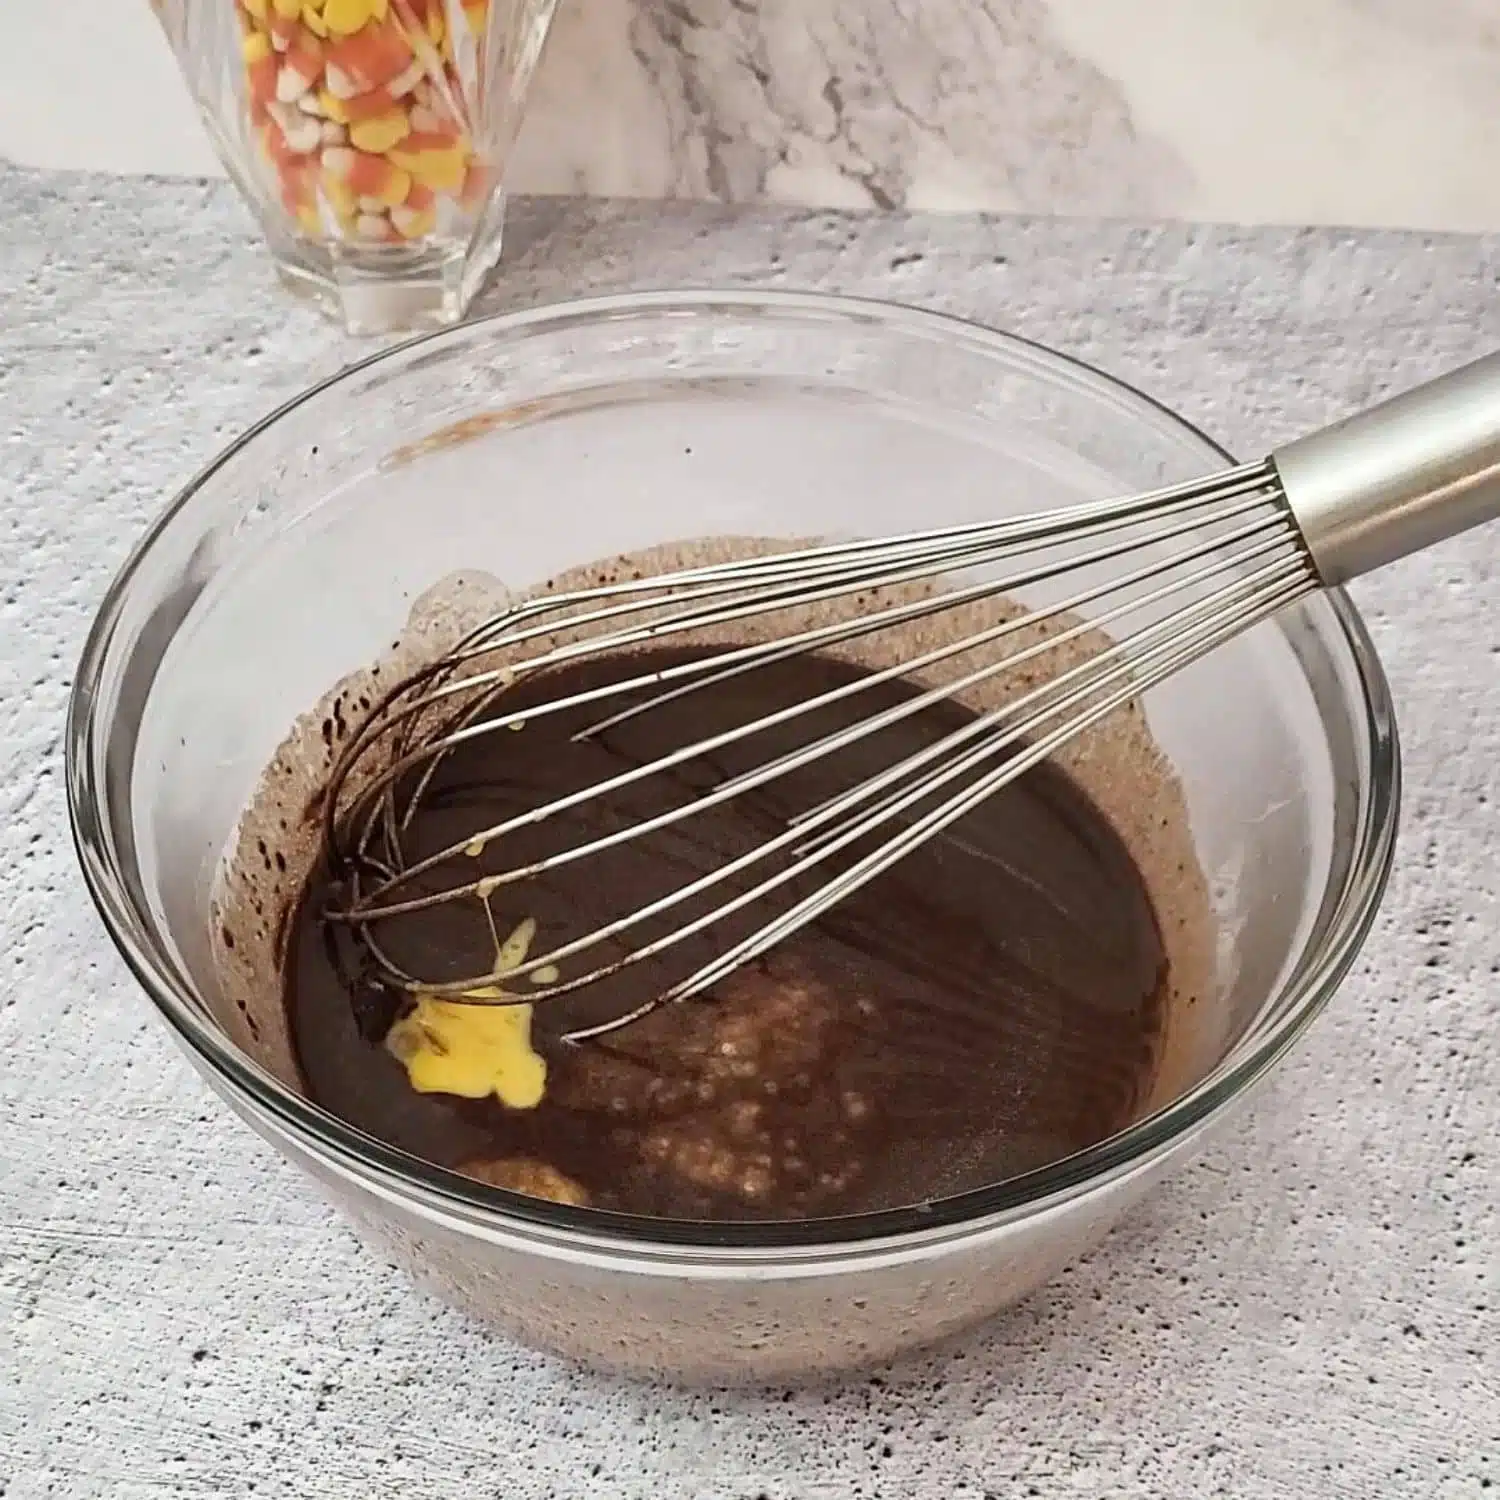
1392 480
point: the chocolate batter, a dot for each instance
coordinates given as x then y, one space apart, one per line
994 1002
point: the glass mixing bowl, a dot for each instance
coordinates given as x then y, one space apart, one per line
570 433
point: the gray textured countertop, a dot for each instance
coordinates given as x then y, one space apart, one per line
1311 1309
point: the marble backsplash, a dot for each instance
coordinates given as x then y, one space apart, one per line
1363 112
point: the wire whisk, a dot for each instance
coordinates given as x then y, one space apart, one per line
1149 584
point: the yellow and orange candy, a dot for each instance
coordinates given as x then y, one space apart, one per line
355 104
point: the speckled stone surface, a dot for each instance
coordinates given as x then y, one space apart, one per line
1312 1309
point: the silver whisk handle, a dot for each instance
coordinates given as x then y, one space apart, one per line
1389 481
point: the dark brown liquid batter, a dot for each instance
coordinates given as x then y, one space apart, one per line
992 1003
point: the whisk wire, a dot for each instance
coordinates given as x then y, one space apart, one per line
1130 682
1241 545
732 661
1119 673
920 831
1232 556
941 550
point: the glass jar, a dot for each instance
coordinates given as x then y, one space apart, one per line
369 137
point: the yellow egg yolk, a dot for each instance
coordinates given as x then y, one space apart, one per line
465 1046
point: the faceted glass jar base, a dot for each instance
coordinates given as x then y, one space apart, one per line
399 291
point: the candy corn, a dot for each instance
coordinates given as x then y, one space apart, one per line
353 108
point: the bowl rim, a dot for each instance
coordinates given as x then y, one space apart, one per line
1305 991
